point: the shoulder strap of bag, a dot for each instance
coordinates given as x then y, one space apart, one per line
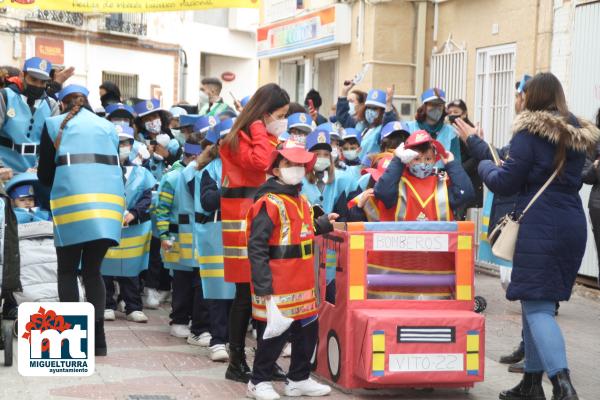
539 193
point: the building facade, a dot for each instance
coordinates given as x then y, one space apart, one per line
162 55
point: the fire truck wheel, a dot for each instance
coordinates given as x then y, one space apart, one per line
334 355
7 328
480 304
313 358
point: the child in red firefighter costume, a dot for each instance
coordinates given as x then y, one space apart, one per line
245 153
280 245
415 189
365 207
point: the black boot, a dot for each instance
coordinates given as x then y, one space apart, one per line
515 356
238 370
100 344
530 388
562 388
279 374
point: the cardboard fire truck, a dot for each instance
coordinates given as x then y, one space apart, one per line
399 312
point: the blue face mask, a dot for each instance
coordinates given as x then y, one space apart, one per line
421 170
371 115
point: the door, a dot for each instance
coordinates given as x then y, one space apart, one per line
326 80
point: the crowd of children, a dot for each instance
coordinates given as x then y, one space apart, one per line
221 206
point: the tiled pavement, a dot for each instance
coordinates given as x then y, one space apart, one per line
144 362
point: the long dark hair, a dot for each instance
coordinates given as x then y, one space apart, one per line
75 102
598 119
266 100
545 93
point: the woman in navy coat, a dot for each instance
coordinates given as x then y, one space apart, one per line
552 236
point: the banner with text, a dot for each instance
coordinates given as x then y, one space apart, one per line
127 6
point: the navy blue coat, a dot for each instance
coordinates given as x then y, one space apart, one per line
553 233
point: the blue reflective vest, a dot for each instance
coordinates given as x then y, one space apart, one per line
133 253
157 168
87 198
208 241
371 141
181 219
36 214
22 128
327 199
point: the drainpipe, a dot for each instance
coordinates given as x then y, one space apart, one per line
420 47
184 73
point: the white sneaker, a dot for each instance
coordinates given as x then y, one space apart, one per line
109 315
202 339
287 350
254 334
262 391
218 353
308 387
164 296
152 299
137 316
180 330
121 306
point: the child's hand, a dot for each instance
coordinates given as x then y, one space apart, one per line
128 218
204 158
449 158
166 245
6 174
365 196
405 155
332 217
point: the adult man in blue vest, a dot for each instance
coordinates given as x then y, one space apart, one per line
22 116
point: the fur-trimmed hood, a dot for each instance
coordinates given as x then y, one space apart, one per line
583 135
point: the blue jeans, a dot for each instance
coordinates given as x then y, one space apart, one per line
544 343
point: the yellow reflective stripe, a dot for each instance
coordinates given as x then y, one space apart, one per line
185 238
212 273
87 214
135 240
210 259
87 198
116 253
165 194
414 191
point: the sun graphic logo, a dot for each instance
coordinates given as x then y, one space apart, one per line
56 339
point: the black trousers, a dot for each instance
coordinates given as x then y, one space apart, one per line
595 217
239 315
188 302
219 320
89 255
156 276
129 292
303 340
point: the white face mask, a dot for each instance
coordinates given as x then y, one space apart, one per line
153 126
292 175
350 155
322 164
335 154
158 157
301 139
277 127
203 99
124 153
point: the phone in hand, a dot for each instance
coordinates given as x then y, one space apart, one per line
453 118
233 97
318 211
311 105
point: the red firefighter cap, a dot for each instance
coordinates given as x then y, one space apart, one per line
420 137
294 152
380 167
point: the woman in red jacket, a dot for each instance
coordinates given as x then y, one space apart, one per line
245 153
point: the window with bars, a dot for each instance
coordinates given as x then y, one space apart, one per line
449 70
494 92
127 83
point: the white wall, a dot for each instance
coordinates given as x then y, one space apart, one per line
90 62
197 39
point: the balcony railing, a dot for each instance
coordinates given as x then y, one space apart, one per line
59 17
128 24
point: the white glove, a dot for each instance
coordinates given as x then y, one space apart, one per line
143 152
405 155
